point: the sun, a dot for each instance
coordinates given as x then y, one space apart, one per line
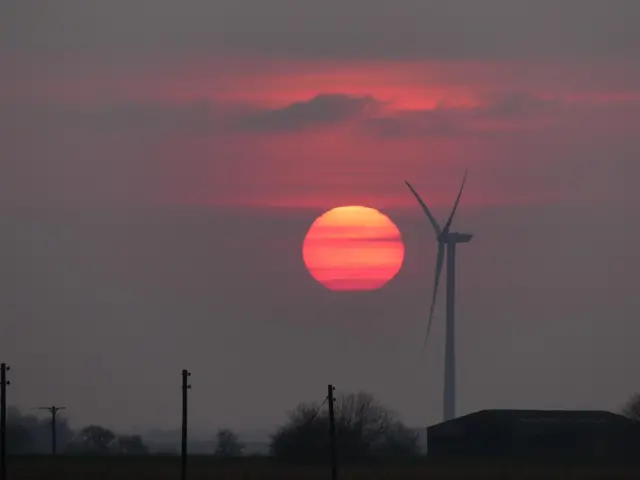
353 248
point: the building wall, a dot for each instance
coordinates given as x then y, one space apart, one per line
497 434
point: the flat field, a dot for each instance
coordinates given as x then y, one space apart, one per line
201 468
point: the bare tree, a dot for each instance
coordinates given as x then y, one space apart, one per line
632 407
95 439
228 444
364 429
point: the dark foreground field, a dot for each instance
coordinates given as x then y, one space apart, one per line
200 468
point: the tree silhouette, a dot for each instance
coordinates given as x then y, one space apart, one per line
19 439
364 430
228 444
31 434
130 445
95 439
632 407
304 437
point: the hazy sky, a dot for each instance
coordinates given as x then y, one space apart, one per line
161 162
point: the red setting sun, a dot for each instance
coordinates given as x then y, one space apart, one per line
353 248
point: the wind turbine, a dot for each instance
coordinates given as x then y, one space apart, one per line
447 242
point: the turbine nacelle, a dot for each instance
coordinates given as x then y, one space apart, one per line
455 237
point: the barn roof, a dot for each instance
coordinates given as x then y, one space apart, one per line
511 417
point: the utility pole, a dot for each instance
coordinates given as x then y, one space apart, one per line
183 459
332 433
4 368
53 410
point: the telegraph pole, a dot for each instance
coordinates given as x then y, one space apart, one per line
4 368
53 410
185 388
332 433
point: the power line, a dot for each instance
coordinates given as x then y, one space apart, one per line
313 417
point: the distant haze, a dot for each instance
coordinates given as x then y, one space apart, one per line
161 163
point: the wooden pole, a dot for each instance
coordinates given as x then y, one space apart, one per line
54 438
183 457
4 368
332 434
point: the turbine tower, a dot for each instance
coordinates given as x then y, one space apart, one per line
447 241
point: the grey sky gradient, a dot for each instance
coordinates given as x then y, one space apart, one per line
491 29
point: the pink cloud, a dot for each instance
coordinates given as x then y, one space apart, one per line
228 131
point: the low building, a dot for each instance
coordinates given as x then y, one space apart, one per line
540 434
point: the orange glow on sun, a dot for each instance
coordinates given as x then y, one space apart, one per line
353 248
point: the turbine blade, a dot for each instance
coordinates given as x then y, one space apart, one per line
436 282
432 219
447 225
